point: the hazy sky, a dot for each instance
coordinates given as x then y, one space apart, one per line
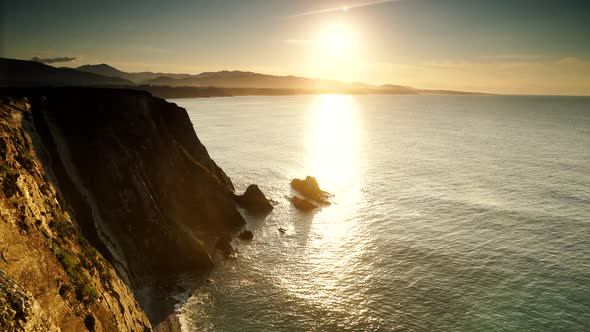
511 46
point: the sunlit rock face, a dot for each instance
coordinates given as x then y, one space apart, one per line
19 309
133 181
137 177
51 277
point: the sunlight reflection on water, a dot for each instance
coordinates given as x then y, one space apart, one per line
439 219
332 140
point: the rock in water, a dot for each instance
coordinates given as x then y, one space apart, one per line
254 201
246 235
311 189
224 244
302 204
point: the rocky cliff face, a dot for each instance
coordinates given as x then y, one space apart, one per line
51 278
93 179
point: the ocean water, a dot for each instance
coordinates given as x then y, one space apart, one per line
450 213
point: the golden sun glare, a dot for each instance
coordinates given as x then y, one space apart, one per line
336 41
336 51
333 139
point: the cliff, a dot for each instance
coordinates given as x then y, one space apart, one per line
105 192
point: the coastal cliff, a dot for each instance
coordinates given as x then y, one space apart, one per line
104 193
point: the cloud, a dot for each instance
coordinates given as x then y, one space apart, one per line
504 57
573 61
54 60
341 8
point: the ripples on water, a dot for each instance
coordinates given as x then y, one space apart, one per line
450 213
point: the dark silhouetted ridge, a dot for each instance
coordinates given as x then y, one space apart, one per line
30 73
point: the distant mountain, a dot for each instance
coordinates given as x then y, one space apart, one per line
30 73
235 79
245 79
161 80
399 88
220 83
250 82
106 70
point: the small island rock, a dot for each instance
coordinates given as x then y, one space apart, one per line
246 235
224 244
311 190
254 201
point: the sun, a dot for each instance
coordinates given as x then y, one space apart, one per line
336 51
336 41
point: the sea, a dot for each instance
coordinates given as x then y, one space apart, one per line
449 213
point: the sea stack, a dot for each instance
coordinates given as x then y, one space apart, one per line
310 189
254 201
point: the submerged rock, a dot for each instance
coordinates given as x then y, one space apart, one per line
224 245
311 190
254 201
282 230
302 204
246 235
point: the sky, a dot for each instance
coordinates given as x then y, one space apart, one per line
501 46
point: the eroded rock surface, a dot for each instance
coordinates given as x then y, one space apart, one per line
19 311
52 273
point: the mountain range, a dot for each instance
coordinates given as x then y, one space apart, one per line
233 79
29 73
106 70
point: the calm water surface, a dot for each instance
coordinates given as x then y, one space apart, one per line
451 213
